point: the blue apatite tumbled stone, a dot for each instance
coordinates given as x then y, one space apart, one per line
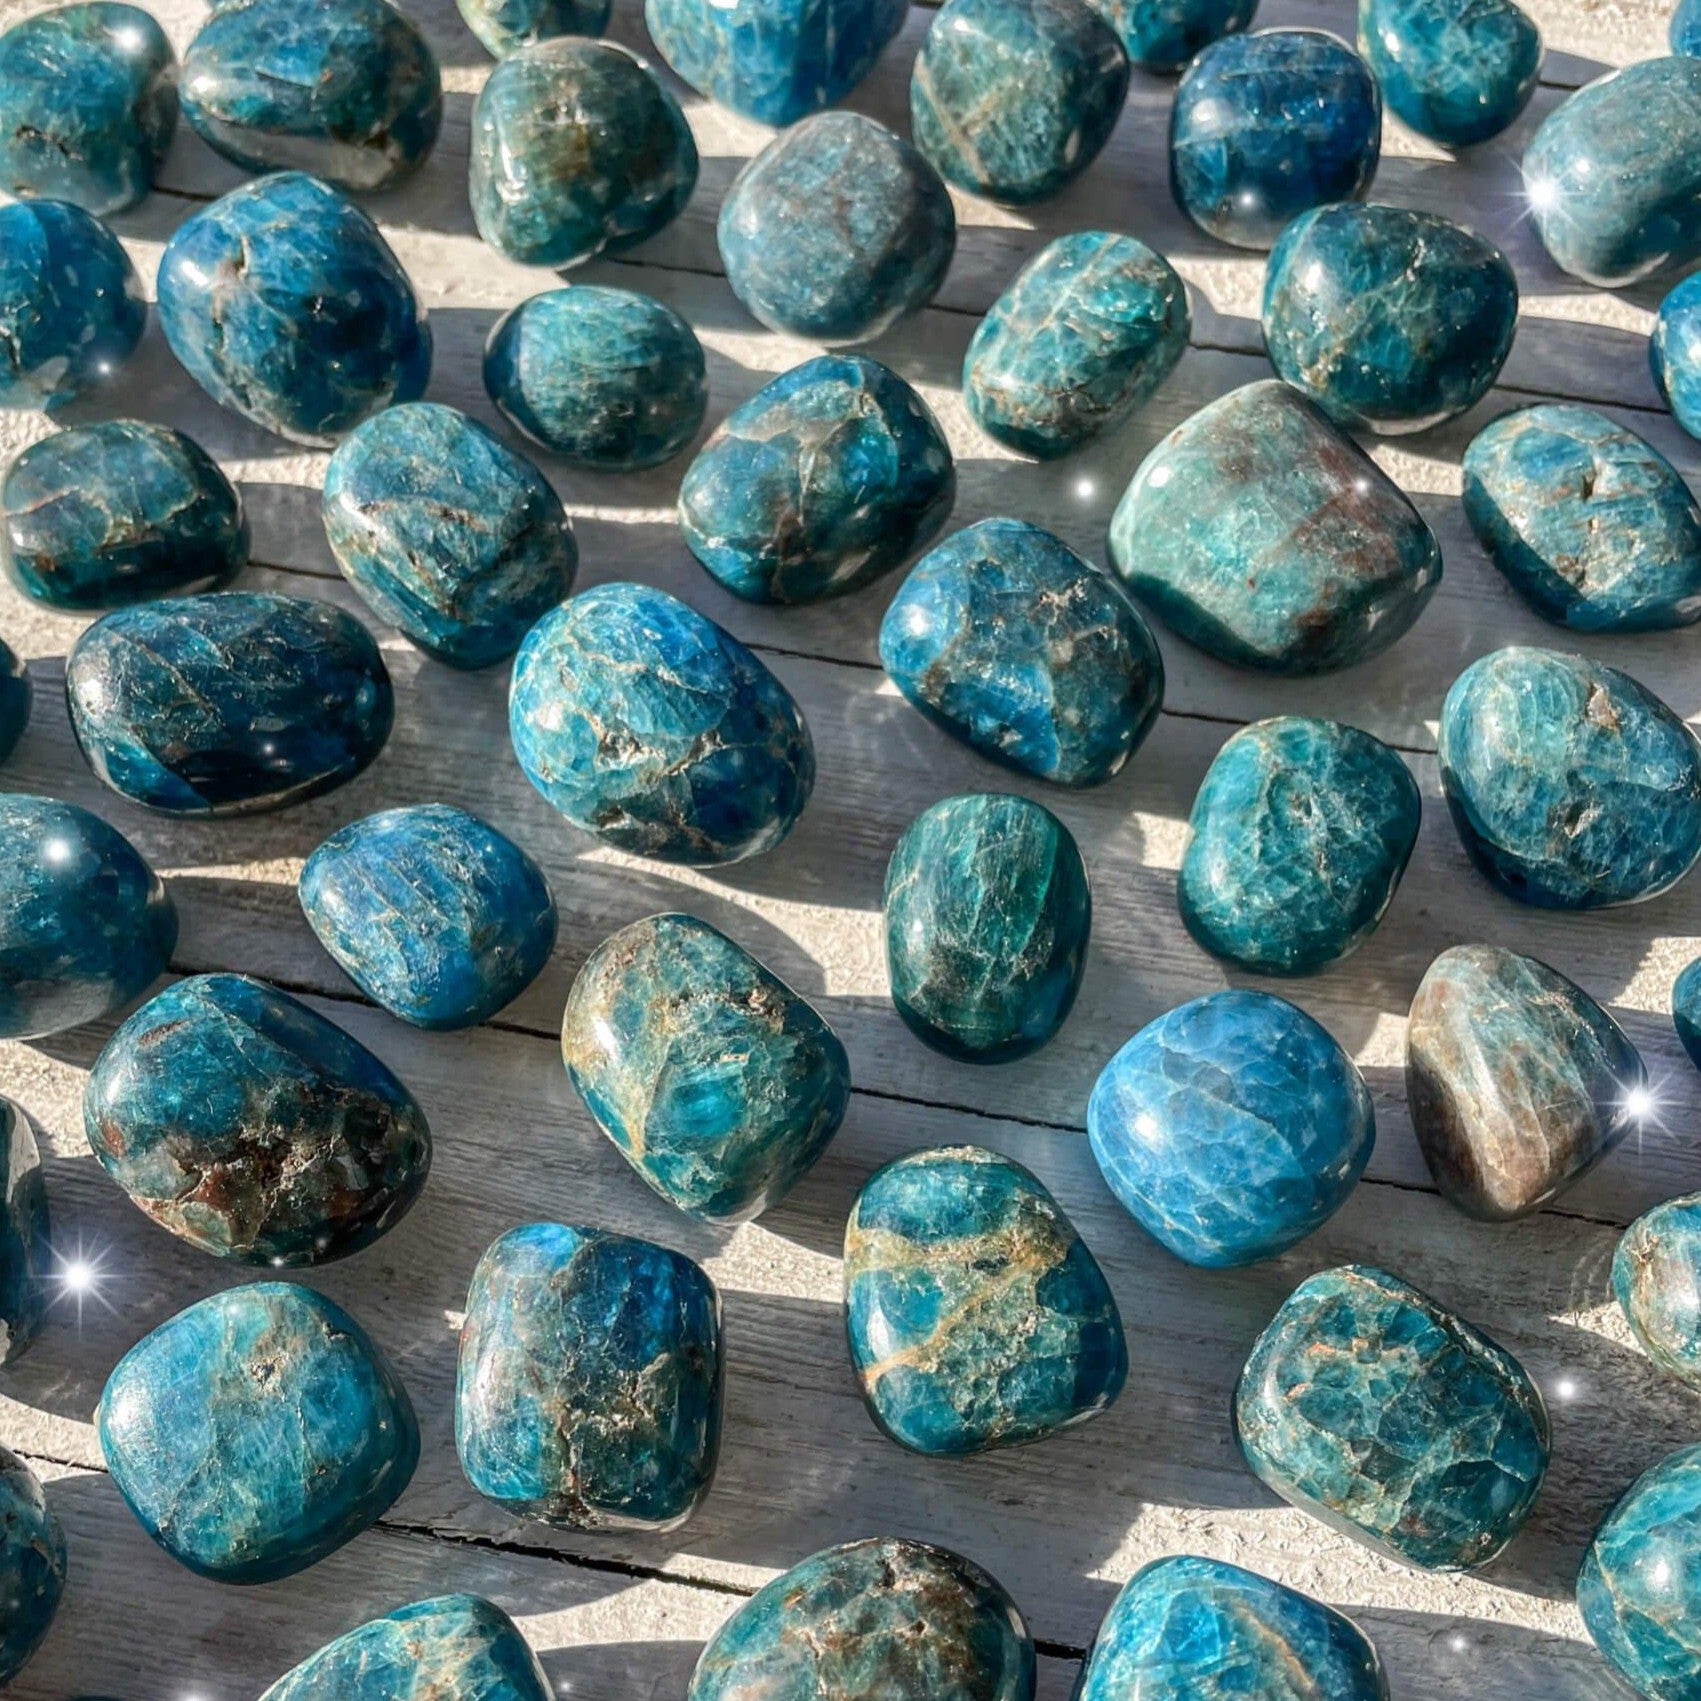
1262 533
26 1249
647 724
285 304
825 480
447 533
589 1393
251 1127
1369 1405
256 1432
1269 125
1458 73
1572 786
505 25
431 913
1686 1010
1162 35
1390 320
836 230
1684 28
1656 1276
1674 354
608 378
229 704
977 1317
715 1081
32 1564
16 698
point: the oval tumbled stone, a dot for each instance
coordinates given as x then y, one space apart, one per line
1656 1278
1162 35
17 699
1460 74
1674 354
26 1247
505 25
32 1564
1686 1009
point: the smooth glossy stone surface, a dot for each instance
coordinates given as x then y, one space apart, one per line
825 480
253 1128
32 1564
26 1252
1572 786
431 912
506 25
256 1432
1368 1405
608 378
1686 1010
836 230
590 1381
16 699
1684 28
1656 1277
1457 72
577 150
647 724
1262 533
1674 354
977 1317
1162 35
715 1081
1269 125
447 533
231 704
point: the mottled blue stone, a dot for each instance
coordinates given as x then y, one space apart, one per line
285 304
256 1432
32 1564
589 1393
1369 1405
647 724
1269 125
1162 35
609 379
71 305
1674 354
1015 98
578 149
16 698
26 1249
229 704
1458 72
1656 1276
1684 28
715 1081
1686 1010
1262 533
825 480
1007 639
85 923
119 512
1572 786
1231 1127
431 912
506 25
836 230
977 1316
88 102
447 533
251 1127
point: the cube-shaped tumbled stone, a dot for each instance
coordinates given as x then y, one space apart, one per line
1656 1276
32 1564
26 1252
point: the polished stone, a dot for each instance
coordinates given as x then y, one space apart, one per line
988 913
252 1127
1684 28
1656 1277
431 912
1078 342
1686 1010
1231 1127
284 303
16 699
1458 73
647 724
230 704
447 533
1368 1405
1572 786
1007 639
578 149
507 25
590 1383
1162 35
256 1432
1674 354
836 230
607 378
32 1564
977 1316
715 1081
26 1250
830 476
1262 533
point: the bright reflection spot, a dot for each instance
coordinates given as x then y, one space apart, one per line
79 1275
1458 1644
1566 1388
1640 1103
1541 192
1086 489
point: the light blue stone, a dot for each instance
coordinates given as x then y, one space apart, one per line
26 1249
32 1564
1656 1278
504 26
1684 28
16 698
1686 1010
1674 354
1162 35
1458 72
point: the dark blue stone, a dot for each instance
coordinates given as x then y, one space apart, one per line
32 1564
1572 785
119 512
447 533
836 230
26 1250
230 704
506 25
251 1127
825 480
1231 1127
1686 1010
1684 29
1162 35
431 913
715 1081
1656 1276
645 723
85 924
284 303
256 1432
1458 73
1674 353
607 378
1267 126
977 1317
590 1383
1368 1405
16 698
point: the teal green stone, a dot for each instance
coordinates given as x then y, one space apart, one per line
507 25
26 1250
1656 1278
1684 28
16 698
1162 35
32 1564
1674 354
1686 1010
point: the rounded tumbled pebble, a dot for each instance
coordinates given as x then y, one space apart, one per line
504 26
17 698
1674 354
1162 35
1683 29
1686 1009
32 1564
1656 1278
27 1261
